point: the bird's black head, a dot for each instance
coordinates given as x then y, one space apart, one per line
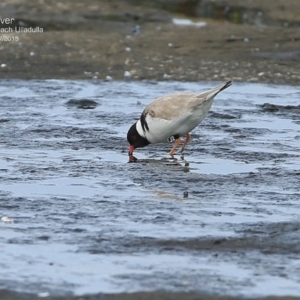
135 139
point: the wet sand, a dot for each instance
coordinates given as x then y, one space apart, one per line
94 40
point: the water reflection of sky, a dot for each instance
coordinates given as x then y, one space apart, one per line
64 206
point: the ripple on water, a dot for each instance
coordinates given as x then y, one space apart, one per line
86 221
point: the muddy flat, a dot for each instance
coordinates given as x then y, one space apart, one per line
183 40
80 220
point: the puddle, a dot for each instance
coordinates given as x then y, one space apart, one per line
86 221
222 166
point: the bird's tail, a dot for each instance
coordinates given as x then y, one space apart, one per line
215 91
222 87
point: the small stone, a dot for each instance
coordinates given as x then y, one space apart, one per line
7 220
127 74
3 65
136 30
170 45
261 74
128 49
32 54
270 107
246 40
253 79
108 78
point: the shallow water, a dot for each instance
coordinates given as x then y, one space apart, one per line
86 221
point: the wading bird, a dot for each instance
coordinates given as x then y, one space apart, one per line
168 118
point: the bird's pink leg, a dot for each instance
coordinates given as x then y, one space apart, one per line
187 139
177 142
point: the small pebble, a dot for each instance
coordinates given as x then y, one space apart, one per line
108 78
170 45
128 49
252 79
7 220
3 65
31 53
246 40
127 74
136 30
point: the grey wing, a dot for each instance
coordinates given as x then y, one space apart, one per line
171 106
176 105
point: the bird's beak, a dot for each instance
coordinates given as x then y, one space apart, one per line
130 154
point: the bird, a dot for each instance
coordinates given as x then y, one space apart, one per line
171 117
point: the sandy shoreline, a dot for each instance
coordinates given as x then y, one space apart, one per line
102 40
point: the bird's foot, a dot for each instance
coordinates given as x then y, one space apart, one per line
186 164
132 159
171 154
181 154
178 153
